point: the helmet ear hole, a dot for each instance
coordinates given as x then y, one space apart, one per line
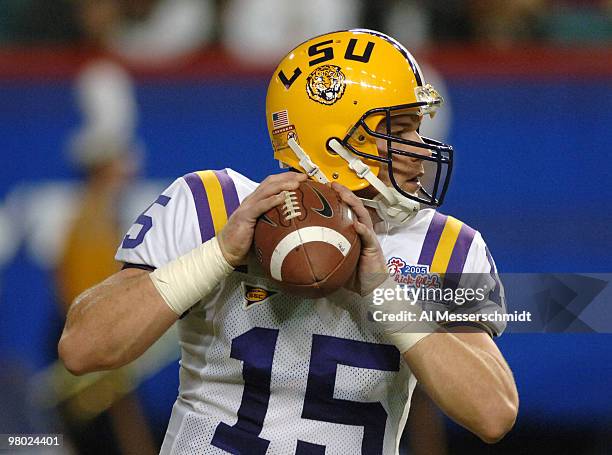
329 149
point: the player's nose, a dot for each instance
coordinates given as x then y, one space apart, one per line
413 149
418 153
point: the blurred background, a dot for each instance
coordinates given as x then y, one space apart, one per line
104 102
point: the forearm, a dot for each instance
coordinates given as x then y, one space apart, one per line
114 322
466 376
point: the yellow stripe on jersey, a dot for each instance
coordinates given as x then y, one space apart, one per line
216 202
448 238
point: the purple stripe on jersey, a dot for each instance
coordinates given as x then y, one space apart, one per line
228 187
461 249
436 226
207 230
458 257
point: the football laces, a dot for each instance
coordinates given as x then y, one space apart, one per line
291 209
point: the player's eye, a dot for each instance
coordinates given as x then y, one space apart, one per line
399 130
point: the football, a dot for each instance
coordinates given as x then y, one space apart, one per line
308 245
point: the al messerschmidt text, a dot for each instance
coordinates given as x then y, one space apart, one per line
447 316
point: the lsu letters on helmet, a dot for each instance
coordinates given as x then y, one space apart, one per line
325 102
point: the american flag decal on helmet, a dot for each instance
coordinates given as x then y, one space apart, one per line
280 119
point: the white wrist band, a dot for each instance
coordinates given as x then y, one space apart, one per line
404 341
188 279
400 319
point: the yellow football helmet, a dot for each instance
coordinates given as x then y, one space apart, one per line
328 96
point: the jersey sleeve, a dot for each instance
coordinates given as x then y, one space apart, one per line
192 210
470 292
478 289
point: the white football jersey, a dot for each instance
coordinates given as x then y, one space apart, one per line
264 372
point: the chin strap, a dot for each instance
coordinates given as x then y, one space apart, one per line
395 214
389 204
306 163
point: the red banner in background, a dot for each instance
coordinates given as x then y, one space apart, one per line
464 62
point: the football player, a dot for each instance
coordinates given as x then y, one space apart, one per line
286 374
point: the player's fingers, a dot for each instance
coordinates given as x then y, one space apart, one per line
276 184
367 236
272 189
283 177
260 207
349 198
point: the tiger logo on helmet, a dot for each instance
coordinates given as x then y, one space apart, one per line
326 84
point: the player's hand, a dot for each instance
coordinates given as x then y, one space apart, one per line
236 237
372 268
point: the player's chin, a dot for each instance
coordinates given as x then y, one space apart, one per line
411 187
